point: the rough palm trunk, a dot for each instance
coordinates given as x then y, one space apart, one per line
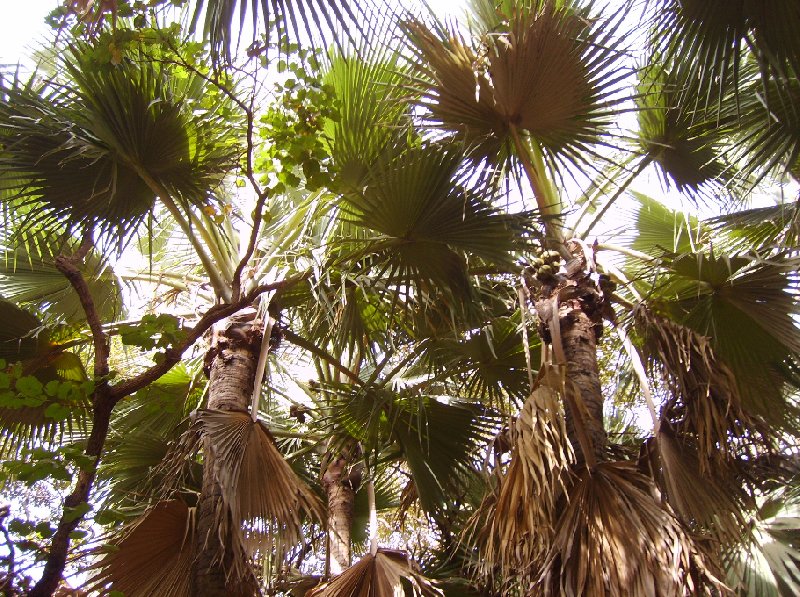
341 481
231 365
571 310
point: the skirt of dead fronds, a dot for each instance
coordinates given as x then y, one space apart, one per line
615 538
517 520
153 556
705 403
388 573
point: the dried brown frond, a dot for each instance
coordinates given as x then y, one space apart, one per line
263 499
615 538
711 503
379 575
153 556
705 404
518 518
259 488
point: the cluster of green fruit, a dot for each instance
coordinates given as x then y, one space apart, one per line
546 266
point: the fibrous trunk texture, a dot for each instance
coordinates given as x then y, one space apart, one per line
341 481
231 366
571 309
583 378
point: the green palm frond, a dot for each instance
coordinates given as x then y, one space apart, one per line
762 229
656 229
438 440
680 136
387 498
768 140
142 429
747 307
300 18
97 150
711 38
545 69
493 360
770 564
372 118
421 199
28 276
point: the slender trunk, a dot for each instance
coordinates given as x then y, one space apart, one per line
573 329
233 356
341 481
579 337
59 545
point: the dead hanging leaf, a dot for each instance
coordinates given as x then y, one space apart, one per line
388 573
259 488
614 538
153 556
712 503
705 402
264 503
518 519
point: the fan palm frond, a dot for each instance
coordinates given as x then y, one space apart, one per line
679 137
770 564
493 358
300 18
98 150
153 555
614 537
387 573
544 69
261 494
28 275
746 306
705 404
712 502
710 39
760 228
413 422
434 216
142 429
769 129
373 118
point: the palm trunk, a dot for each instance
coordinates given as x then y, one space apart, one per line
579 322
233 357
579 336
341 482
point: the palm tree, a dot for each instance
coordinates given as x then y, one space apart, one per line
425 298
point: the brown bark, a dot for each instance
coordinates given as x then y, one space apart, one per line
583 379
233 357
341 481
571 310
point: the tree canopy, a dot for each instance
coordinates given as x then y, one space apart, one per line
324 299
